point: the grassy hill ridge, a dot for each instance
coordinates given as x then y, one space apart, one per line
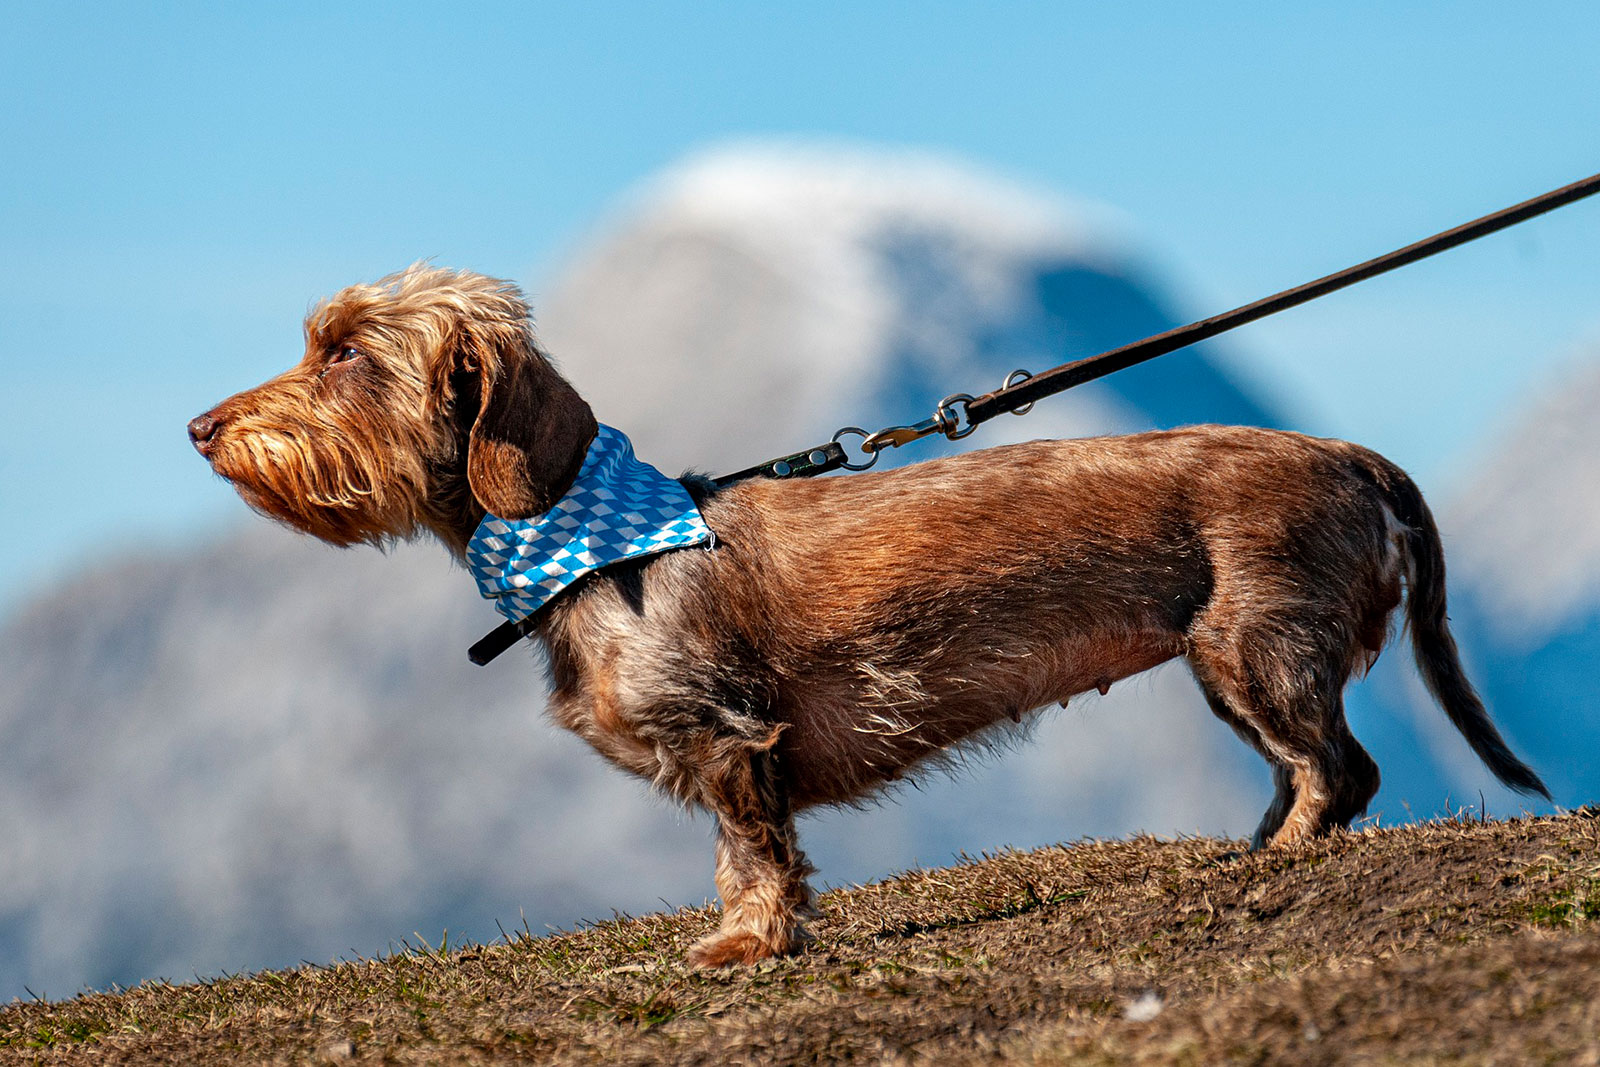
1447 941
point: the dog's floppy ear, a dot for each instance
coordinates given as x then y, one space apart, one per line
532 429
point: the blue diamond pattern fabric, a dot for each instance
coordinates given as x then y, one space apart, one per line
618 508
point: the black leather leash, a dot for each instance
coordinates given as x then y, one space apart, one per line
959 414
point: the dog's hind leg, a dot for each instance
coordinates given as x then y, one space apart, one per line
1334 777
1285 699
1282 780
761 872
1358 782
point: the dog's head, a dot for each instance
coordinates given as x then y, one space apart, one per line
421 402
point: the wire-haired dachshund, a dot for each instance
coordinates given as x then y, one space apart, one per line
846 631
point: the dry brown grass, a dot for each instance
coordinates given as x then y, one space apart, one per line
1455 941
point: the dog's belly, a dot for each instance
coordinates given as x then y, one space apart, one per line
856 728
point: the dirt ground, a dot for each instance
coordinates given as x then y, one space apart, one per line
1445 942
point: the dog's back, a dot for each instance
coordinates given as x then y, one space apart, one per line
881 619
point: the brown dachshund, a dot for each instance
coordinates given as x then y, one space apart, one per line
846 631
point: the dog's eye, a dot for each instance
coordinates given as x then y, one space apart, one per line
345 354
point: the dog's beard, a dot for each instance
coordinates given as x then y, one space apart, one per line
324 495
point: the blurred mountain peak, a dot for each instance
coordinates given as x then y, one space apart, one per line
277 751
823 281
812 189
1526 530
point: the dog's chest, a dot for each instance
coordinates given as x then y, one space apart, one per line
595 713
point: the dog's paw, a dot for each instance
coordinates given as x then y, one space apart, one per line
726 948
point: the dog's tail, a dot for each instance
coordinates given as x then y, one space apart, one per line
1438 660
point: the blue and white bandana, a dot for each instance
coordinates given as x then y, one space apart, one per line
619 508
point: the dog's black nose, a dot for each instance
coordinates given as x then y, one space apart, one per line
203 431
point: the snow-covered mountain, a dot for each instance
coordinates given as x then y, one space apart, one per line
267 750
816 287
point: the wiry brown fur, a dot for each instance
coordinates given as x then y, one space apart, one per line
848 630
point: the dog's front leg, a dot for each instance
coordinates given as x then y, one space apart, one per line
761 872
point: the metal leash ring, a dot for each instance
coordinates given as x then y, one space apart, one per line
950 419
1017 377
846 431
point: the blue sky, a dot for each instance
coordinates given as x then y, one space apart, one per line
179 181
